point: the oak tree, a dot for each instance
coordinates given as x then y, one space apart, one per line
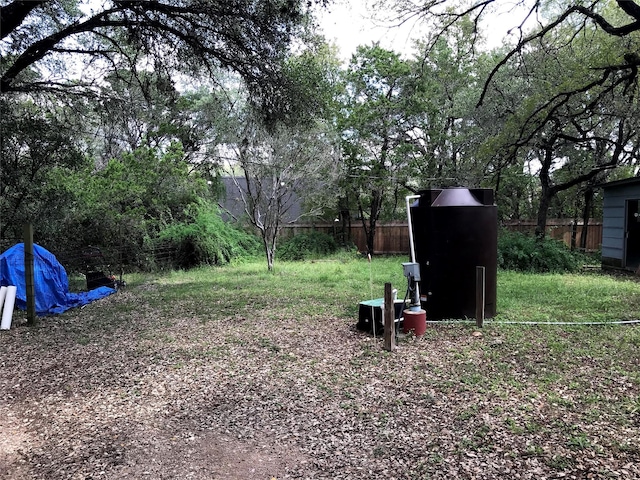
68 46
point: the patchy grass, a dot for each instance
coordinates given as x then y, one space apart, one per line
237 373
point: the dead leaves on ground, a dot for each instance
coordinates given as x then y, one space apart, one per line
266 396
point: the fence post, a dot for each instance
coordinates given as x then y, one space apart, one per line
389 319
480 296
30 290
120 255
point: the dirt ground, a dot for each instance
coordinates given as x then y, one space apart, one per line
167 392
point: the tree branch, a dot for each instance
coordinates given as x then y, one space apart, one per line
630 7
236 35
608 27
624 30
38 50
12 15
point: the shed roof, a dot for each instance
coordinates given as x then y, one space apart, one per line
620 183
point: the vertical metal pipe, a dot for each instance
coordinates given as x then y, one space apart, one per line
389 319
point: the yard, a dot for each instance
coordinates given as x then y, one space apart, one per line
237 373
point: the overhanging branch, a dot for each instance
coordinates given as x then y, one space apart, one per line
629 7
12 15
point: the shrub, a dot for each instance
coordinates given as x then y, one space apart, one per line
521 252
306 246
207 239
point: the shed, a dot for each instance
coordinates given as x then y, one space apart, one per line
621 224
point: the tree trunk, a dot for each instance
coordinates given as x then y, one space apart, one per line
371 233
586 213
269 243
574 226
497 187
345 221
574 233
546 193
269 250
543 209
374 211
270 255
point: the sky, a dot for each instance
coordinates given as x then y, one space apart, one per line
349 24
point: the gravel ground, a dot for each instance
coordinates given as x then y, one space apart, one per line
177 391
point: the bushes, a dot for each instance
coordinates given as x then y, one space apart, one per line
207 239
517 251
307 245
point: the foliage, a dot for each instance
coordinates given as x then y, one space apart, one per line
126 204
571 140
521 252
313 84
205 239
374 122
145 109
447 128
283 167
68 46
306 246
286 169
38 147
100 81
619 20
559 103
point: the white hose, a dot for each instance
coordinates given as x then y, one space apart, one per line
507 322
615 322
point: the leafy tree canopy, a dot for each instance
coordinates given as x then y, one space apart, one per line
37 147
70 45
537 21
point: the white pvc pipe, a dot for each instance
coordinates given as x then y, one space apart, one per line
7 311
3 295
411 245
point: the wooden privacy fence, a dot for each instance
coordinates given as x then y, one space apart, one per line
393 238
561 229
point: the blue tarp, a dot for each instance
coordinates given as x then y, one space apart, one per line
50 279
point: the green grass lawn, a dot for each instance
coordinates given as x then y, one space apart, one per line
261 358
343 282
590 297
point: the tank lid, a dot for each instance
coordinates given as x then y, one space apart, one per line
456 197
